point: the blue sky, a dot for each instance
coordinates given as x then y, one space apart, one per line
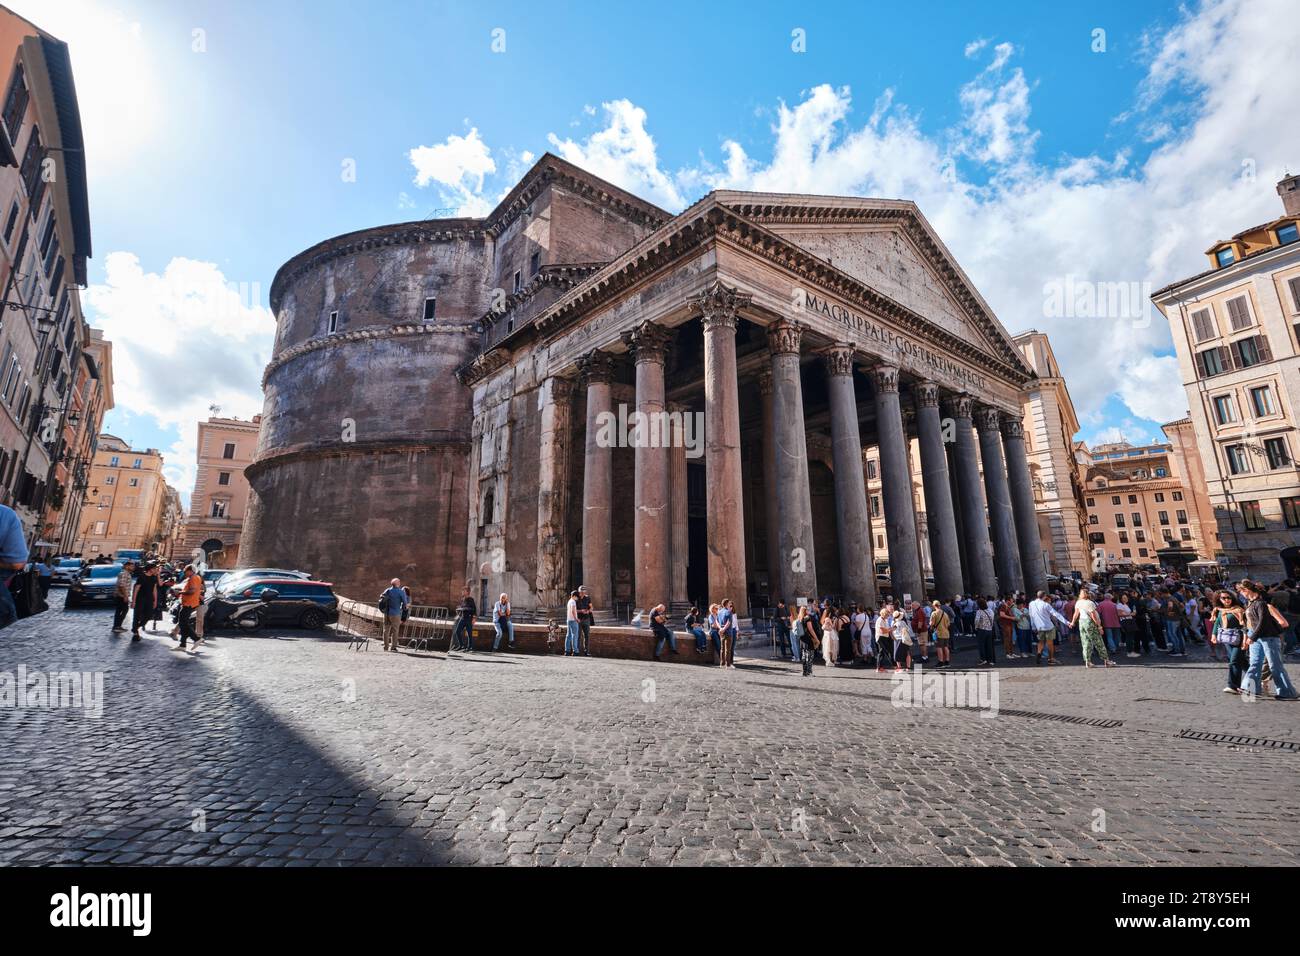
215 155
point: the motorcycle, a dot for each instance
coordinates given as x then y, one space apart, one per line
251 614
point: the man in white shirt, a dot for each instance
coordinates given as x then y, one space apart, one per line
571 619
1040 616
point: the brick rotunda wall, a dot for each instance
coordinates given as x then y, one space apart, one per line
362 458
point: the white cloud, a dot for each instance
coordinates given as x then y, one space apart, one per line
458 166
1016 223
623 153
975 46
182 340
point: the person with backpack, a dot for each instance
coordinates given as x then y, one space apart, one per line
391 604
1264 627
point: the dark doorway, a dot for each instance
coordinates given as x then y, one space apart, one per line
697 557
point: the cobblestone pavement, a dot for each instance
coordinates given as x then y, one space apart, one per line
289 749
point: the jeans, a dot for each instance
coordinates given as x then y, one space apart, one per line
504 627
701 639
584 634
1174 637
985 641
716 640
571 638
1236 665
968 622
464 625
1113 637
8 610
1268 649
1024 641
664 636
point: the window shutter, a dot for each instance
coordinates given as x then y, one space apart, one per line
1226 359
1201 325
1238 314
1265 353
1295 292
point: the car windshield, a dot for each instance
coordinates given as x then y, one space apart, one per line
70 563
101 571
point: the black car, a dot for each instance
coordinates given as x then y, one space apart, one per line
94 585
297 602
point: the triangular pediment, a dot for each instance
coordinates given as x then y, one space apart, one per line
888 246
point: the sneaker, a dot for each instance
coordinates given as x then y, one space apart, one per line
135 638
1231 690
119 630
1132 654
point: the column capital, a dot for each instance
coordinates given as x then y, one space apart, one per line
598 367
784 336
764 379
926 394
959 406
988 419
885 378
838 359
718 305
648 342
1013 427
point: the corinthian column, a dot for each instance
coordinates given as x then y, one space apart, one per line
851 514
980 577
598 482
1022 504
776 584
794 499
896 486
725 513
941 521
651 533
553 471
1006 556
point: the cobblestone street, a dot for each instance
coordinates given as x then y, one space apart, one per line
289 749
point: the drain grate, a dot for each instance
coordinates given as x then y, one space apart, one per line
1239 740
1064 718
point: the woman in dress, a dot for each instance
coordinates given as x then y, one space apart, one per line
903 640
1090 631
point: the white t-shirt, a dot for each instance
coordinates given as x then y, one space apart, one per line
1085 609
571 612
882 626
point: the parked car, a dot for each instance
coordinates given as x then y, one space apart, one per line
235 579
123 555
212 576
297 601
66 570
94 585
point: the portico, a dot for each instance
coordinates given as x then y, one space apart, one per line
805 334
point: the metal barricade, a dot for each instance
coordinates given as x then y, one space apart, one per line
424 624
357 626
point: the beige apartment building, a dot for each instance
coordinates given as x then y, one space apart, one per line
1235 330
1056 469
226 447
127 500
1140 511
44 244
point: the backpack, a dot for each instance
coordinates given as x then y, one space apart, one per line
26 590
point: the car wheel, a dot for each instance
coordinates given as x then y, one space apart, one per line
312 620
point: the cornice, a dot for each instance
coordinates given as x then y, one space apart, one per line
359 335
321 450
808 211
376 237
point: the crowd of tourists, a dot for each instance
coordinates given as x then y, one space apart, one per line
1249 627
152 588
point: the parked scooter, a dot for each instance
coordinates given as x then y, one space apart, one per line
251 614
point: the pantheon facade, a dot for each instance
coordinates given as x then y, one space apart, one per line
455 402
